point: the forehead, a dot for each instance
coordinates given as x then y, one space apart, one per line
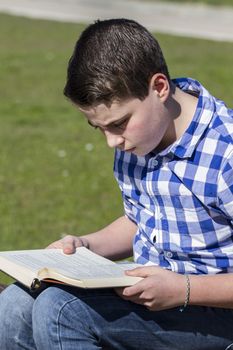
105 114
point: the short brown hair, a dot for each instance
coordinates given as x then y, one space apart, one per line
113 60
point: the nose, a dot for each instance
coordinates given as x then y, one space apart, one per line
112 139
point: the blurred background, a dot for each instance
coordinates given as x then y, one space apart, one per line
56 172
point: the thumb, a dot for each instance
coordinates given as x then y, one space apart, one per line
68 245
144 271
138 272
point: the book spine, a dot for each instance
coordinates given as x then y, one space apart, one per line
36 284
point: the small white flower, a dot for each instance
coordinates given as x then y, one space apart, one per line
65 173
89 147
61 153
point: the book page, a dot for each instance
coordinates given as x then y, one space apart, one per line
83 264
128 265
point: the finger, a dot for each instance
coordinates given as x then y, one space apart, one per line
138 272
142 271
136 289
134 298
55 245
119 291
68 244
81 242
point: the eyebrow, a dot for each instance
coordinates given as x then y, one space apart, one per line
111 123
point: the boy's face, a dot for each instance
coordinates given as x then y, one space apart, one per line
133 125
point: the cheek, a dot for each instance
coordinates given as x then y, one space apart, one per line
142 129
135 131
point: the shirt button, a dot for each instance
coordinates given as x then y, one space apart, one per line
155 162
169 255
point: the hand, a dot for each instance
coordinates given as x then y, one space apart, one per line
69 244
160 289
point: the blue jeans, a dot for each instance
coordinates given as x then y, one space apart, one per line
70 318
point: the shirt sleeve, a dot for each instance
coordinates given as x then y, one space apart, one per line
225 188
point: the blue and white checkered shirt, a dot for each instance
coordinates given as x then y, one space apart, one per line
182 198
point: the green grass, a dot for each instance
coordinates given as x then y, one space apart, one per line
50 183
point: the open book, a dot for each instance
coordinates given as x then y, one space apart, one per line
83 269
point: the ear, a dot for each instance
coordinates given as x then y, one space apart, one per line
160 85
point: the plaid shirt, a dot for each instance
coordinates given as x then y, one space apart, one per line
181 199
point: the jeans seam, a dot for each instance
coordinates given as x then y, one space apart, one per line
58 323
58 317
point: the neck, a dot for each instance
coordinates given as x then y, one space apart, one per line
188 106
181 107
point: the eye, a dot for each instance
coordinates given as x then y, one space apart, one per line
121 125
92 125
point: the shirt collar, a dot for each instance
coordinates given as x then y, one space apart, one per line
184 147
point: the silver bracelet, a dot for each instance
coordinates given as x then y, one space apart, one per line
187 297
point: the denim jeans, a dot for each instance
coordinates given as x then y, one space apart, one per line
70 318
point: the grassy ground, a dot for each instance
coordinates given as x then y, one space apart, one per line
206 2
55 171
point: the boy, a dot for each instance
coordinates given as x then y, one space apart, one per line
174 165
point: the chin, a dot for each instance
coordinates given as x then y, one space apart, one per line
138 153
141 153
